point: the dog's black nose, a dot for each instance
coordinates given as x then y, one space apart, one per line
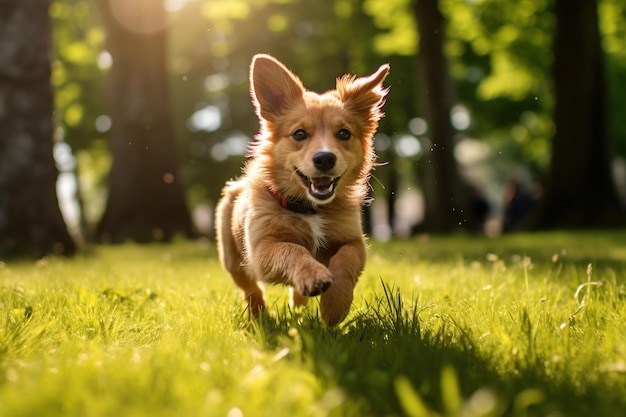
324 161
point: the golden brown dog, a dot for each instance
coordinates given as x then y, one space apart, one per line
294 217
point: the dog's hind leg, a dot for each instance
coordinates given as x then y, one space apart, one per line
230 253
253 291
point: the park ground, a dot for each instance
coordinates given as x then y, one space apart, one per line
529 324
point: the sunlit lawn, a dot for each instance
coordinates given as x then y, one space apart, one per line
458 326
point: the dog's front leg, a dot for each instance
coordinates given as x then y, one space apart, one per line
292 264
345 266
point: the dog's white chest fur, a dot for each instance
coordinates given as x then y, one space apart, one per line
318 228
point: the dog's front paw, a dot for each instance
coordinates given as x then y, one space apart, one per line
314 282
316 288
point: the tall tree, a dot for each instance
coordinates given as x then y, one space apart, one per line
30 219
146 200
444 193
579 191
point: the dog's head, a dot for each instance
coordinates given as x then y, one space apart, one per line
315 146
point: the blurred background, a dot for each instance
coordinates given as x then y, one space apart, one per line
502 115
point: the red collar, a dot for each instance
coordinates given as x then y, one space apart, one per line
297 205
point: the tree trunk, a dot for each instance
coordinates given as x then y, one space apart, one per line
30 219
146 201
579 190
443 191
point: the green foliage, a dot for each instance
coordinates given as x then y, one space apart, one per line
517 39
399 30
76 78
612 15
500 55
515 326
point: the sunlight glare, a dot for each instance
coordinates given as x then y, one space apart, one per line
460 117
174 5
207 119
418 126
105 60
67 185
139 15
407 146
103 123
234 145
216 82
471 151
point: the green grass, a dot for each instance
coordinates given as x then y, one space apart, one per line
521 325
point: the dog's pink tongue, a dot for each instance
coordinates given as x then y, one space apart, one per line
322 185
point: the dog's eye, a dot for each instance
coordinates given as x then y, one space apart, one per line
299 135
344 134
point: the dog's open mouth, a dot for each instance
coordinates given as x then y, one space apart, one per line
322 187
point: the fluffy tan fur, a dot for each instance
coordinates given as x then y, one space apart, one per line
313 148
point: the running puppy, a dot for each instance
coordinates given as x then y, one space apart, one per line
294 216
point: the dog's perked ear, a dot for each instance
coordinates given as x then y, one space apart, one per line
273 87
364 95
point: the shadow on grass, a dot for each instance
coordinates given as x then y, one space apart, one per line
387 363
